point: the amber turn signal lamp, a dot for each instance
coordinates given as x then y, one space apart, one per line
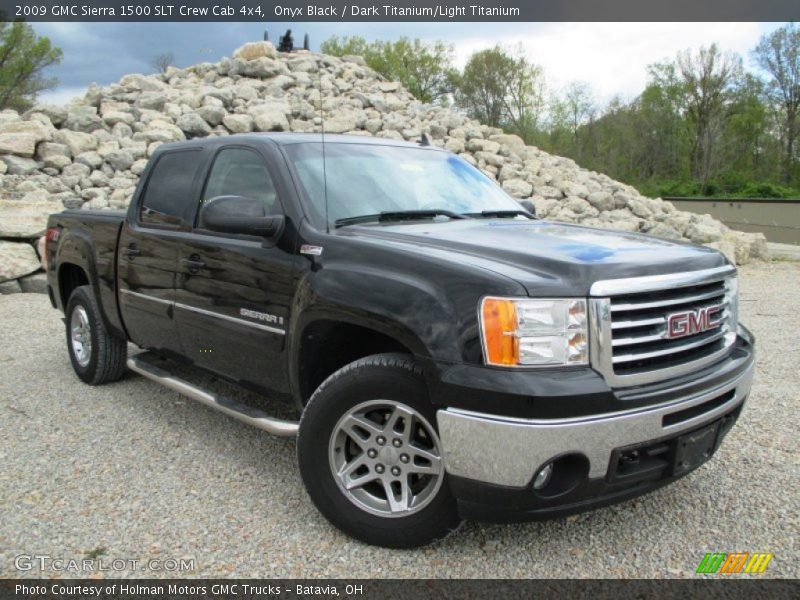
501 345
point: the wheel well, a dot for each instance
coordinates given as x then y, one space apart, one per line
70 276
327 346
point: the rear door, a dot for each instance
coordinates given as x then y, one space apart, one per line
233 294
148 249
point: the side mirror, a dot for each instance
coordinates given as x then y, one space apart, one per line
241 216
528 205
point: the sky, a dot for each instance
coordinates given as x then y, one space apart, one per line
611 57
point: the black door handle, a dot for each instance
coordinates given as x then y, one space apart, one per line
193 264
132 251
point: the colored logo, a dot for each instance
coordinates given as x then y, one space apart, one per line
691 322
734 562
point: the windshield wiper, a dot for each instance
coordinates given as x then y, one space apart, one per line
399 215
501 214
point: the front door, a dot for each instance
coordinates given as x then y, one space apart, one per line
148 250
233 294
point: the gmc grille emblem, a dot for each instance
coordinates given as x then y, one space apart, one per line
691 322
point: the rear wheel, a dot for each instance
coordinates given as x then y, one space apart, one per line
371 458
96 354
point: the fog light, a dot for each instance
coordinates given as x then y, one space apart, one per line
543 476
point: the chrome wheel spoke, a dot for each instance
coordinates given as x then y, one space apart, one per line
356 426
398 415
401 504
434 468
425 454
348 469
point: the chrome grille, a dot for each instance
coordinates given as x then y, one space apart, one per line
631 344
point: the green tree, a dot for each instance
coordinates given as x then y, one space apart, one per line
502 90
346 46
664 137
422 67
778 53
747 145
23 58
709 78
571 116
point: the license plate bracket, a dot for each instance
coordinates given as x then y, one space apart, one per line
695 448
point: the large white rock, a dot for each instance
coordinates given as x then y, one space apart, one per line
26 217
238 123
518 188
193 124
268 117
141 83
261 67
82 118
160 130
38 129
705 232
17 259
20 144
18 165
513 142
76 141
340 123
254 50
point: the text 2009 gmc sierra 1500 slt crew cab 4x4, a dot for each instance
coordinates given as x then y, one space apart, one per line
453 357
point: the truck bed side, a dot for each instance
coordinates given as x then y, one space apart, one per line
85 252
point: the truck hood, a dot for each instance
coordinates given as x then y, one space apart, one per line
545 257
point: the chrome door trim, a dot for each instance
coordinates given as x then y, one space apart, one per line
146 297
217 315
202 311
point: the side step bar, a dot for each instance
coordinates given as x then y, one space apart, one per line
237 410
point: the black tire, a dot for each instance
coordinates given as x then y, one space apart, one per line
391 377
108 353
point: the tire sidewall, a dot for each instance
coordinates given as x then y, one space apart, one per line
81 297
323 412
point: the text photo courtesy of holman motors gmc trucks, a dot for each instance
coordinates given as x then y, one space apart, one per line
452 356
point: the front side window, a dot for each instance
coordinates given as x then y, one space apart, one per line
242 172
167 198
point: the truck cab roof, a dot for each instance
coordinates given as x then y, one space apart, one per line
287 139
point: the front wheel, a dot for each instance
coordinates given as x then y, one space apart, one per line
96 354
370 455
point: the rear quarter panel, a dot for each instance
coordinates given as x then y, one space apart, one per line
88 240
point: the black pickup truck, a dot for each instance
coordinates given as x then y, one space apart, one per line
451 355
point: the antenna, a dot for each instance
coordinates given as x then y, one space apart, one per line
324 165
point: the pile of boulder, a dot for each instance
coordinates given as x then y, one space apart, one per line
90 153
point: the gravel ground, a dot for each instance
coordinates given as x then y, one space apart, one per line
134 471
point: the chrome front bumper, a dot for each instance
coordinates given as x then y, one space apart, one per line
508 451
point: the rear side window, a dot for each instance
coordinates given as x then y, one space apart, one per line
241 172
167 197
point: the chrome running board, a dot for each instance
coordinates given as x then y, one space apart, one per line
237 410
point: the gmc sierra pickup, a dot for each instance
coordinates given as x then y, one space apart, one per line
451 356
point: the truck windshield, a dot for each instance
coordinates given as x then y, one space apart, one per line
368 179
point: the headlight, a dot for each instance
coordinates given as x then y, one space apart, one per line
534 332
